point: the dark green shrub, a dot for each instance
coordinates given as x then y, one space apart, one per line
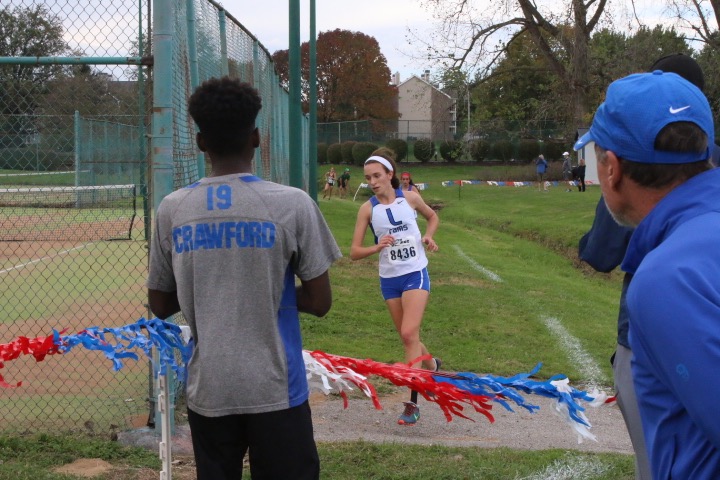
399 146
346 151
451 150
334 154
35 159
15 158
528 150
480 150
424 149
554 151
322 149
501 150
361 151
8 140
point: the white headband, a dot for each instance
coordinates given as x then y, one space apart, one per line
380 160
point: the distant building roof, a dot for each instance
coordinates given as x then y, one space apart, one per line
425 82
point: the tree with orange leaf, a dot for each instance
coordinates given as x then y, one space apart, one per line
353 78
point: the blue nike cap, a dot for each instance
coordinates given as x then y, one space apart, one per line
638 107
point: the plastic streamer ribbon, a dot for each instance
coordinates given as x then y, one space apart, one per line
449 397
451 390
327 378
38 347
117 344
557 387
164 336
328 373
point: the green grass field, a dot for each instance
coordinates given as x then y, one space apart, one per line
19 178
30 178
473 322
528 238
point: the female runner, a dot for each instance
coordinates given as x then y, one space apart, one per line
404 281
407 183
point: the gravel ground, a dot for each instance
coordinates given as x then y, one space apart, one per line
360 421
522 430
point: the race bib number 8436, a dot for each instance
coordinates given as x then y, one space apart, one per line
403 249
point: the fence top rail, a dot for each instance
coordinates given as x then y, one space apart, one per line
241 26
33 174
95 188
76 60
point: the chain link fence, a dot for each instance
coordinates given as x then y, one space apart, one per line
77 83
73 197
488 141
379 131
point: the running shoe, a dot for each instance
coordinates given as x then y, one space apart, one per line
411 414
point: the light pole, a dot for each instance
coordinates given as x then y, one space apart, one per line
467 93
467 132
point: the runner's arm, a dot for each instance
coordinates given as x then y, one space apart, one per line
433 220
357 250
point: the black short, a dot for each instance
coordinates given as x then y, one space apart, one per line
281 445
343 183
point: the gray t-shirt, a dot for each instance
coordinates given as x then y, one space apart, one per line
231 246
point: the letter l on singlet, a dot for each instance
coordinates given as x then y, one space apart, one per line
390 217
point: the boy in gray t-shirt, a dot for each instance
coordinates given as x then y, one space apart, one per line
225 252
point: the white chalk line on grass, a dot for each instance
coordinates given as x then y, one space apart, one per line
574 468
587 365
488 273
49 257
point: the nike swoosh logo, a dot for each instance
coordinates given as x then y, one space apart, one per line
678 110
400 201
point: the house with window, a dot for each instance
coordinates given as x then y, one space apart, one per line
425 110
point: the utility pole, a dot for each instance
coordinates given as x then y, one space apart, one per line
467 92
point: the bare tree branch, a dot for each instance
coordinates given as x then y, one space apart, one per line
475 35
698 16
481 35
592 23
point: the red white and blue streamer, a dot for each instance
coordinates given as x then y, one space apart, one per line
117 344
327 373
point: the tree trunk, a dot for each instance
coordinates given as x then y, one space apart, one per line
579 76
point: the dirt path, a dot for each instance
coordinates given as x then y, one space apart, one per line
541 430
520 429
360 421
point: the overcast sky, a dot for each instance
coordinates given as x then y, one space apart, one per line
388 22
385 20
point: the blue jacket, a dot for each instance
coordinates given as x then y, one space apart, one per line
541 165
603 248
674 305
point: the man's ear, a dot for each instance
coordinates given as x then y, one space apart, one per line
255 137
614 169
200 140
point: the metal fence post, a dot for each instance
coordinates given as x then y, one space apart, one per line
161 156
194 75
312 136
295 117
222 24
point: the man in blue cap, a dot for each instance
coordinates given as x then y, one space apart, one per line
653 137
603 248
